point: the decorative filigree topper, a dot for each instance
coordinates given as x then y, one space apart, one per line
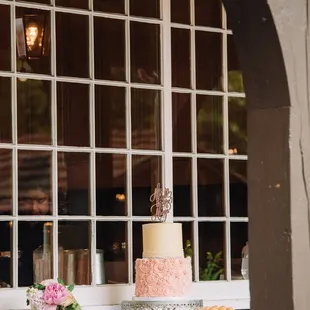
162 200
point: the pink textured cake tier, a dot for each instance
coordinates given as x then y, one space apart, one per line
163 277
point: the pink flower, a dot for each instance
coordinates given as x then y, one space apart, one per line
50 307
55 294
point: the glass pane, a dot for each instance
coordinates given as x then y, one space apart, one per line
34 111
110 114
239 238
181 57
146 119
208 13
146 174
238 188
111 193
34 182
181 120
72 48
5 34
112 245
110 6
33 41
210 187
35 252
80 4
182 186
137 243
6 110
138 8
74 246
109 58
209 118
73 183
180 11
145 53
6 262
211 239
238 137
72 111
37 1
5 183
208 60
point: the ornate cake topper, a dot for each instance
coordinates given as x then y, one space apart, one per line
162 200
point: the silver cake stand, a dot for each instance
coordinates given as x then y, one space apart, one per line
162 305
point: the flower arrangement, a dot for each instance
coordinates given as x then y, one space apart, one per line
51 295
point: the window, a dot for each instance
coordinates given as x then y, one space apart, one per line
100 101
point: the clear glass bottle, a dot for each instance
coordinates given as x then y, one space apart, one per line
245 262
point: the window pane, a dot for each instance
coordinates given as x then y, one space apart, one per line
112 242
5 34
6 110
146 174
182 186
210 187
238 137
181 57
137 247
208 60
109 58
72 45
33 40
138 8
110 114
72 112
238 188
209 119
37 1
74 182
34 111
35 246
110 6
34 182
208 13
5 183
6 272
145 53
75 251
146 119
180 11
111 193
80 4
181 122
211 239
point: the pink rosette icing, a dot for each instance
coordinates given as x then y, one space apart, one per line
163 277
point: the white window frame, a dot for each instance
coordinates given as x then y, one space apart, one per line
233 293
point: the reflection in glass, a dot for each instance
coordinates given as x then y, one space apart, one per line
210 187
6 110
112 239
209 119
238 137
181 122
5 183
79 4
137 243
5 34
111 193
146 119
181 57
34 111
238 188
72 112
110 114
138 8
72 48
110 6
6 270
239 237
34 182
35 246
109 58
182 186
208 60
74 241
145 53
73 183
180 11
208 13
146 174
211 251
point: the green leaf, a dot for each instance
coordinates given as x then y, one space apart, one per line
60 281
71 287
27 302
39 286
